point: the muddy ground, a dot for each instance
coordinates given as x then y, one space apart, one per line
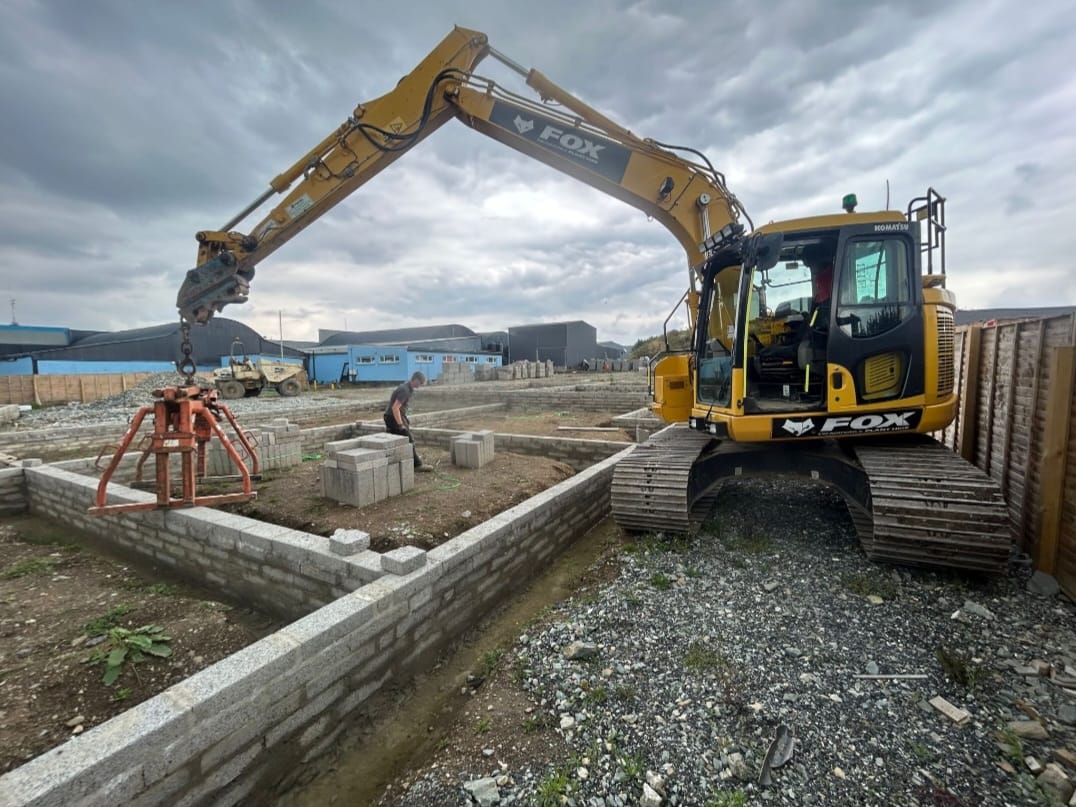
59 602
445 502
442 504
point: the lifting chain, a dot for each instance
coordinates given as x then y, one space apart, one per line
186 366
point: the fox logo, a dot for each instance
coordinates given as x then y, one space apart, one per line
846 424
522 125
798 428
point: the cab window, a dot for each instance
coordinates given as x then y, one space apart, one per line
876 290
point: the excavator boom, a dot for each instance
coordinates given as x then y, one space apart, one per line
689 198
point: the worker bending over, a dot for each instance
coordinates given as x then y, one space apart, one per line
396 414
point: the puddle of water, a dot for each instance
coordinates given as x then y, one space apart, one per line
374 754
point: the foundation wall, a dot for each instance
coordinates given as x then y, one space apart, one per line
574 452
243 726
13 499
285 572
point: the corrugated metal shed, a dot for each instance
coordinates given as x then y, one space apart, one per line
162 343
566 344
329 338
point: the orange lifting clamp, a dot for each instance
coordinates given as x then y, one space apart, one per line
184 421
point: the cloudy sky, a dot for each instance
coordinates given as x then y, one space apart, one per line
128 125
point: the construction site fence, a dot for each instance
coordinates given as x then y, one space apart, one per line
43 390
1017 422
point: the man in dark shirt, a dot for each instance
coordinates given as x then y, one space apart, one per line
396 421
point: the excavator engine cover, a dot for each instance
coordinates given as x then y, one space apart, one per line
673 394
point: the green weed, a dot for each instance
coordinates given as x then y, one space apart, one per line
31 566
123 646
734 798
660 581
701 658
103 624
553 789
961 669
865 585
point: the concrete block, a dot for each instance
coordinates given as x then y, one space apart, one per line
381 482
359 459
466 453
336 446
403 560
383 441
341 485
30 463
393 476
349 542
364 481
407 475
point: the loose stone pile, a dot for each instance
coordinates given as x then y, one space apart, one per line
896 686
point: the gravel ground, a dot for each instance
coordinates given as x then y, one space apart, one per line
692 660
122 407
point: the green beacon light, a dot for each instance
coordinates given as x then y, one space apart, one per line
849 202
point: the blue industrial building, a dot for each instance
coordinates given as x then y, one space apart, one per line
389 363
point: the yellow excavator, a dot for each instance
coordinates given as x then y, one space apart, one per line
822 346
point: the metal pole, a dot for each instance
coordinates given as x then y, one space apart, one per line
280 325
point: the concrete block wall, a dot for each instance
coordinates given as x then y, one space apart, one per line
278 445
579 454
282 571
91 438
576 398
233 731
13 498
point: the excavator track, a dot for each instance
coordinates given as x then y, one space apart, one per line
912 500
929 507
652 488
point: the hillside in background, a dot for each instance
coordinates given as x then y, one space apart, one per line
678 340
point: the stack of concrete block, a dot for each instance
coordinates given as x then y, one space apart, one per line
281 445
365 470
456 373
472 450
278 445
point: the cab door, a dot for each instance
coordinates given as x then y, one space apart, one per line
876 317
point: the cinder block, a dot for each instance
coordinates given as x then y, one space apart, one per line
349 542
467 452
360 459
365 482
337 446
403 560
407 475
383 441
394 479
343 486
381 481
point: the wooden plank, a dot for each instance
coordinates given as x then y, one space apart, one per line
1055 441
969 401
1010 394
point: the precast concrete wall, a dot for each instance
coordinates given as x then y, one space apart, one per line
242 727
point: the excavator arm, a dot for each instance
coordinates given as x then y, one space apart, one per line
689 198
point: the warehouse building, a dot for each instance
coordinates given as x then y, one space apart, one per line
566 344
392 355
153 349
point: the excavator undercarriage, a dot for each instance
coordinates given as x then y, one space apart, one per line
669 484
